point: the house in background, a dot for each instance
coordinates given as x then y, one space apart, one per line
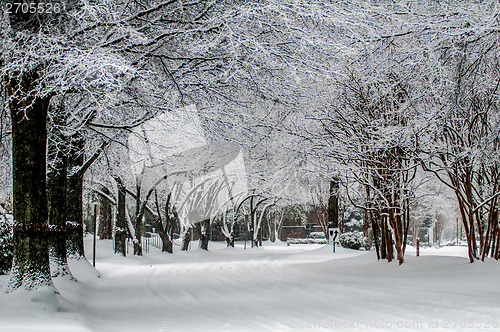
295 229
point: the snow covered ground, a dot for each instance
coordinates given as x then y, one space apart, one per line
274 288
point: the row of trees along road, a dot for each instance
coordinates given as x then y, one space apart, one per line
95 69
373 92
419 94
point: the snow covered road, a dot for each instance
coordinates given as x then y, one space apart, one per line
274 288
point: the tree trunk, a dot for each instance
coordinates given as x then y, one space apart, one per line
231 231
105 217
139 224
230 240
58 253
74 198
376 231
272 231
263 227
138 247
166 231
406 221
398 235
186 238
166 235
138 236
333 203
204 227
56 195
465 223
489 230
121 223
255 229
31 267
383 239
386 238
497 247
494 234
167 244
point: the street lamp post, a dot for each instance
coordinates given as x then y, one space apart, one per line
95 233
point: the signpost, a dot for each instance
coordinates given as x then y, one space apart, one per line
332 234
95 233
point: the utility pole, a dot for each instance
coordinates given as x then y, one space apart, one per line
95 233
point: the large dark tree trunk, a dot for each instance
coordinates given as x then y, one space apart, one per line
383 239
263 229
387 238
230 240
406 222
138 242
166 236
231 233
121 222
139 222
333 203
31 267
375 222
105 217
167 244
251 230
186 238
229 230
56 195
272 230
74 199
204 229
166 231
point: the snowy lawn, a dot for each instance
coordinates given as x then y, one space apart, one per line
274 288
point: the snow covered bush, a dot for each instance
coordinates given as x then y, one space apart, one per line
353 219
317 235
306 241
352 240
6 244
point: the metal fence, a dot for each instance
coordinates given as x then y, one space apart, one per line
148 241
